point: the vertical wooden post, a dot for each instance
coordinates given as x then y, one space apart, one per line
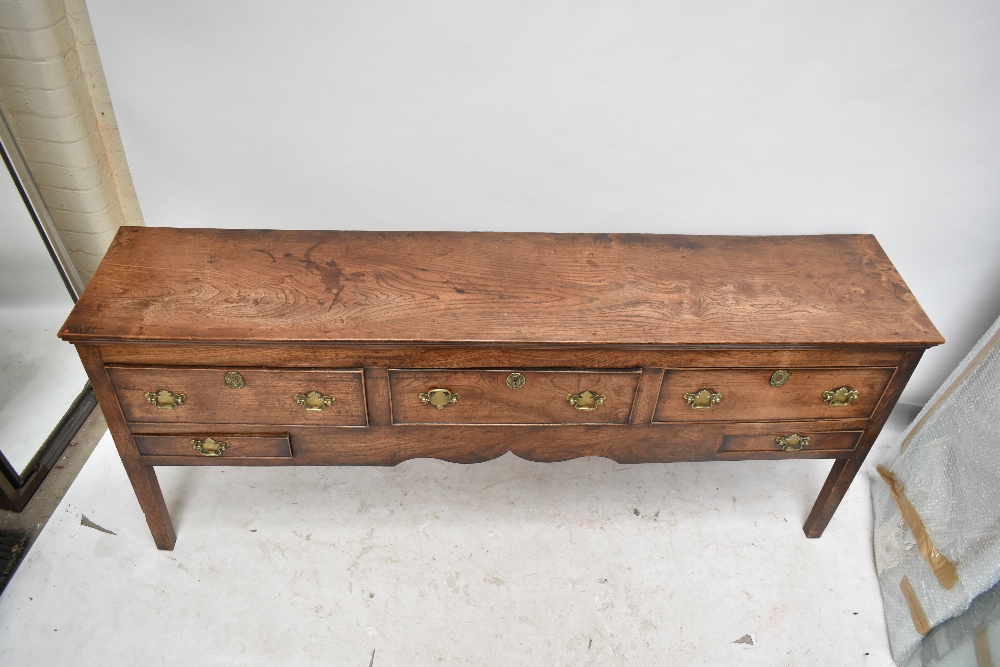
143 477
844 470
377 396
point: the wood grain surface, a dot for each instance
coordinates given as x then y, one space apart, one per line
268 395
485 398
656 443
332 355
748 395
239 446
841 441
163 284
377 318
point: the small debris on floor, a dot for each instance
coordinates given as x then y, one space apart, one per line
745 639
84 521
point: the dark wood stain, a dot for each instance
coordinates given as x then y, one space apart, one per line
376 318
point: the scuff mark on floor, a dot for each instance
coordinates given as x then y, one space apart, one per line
84 521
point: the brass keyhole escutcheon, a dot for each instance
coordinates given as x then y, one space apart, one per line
438 398
165 399
586 400
779 377
234 380
515 380
314 401
210 446
793 442
703 399
840 396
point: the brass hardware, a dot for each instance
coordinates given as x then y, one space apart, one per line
703 399
779 377
313 401
439 398
234 380
515 380
210 446
840 396
165 399
793 442
586 400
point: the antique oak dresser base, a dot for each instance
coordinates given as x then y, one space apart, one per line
177 390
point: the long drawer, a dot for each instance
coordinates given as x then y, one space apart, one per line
525 396
219 447
181 395
763 394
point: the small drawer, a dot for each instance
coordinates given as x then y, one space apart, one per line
240 395
512 396
215 446
747 394
824 441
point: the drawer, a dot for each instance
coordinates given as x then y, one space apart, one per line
804 441
512 396
747 394
215 446
240 395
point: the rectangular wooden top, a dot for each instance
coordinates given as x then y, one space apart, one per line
162 284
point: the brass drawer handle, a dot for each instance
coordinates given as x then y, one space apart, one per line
234 380
779 377
438 398
210 446
586 400
840 396
165 399
793 442
314 401
703 399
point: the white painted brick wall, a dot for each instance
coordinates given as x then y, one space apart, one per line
55 98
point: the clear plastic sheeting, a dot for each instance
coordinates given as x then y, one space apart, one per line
946 479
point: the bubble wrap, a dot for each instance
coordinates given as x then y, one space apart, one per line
951 469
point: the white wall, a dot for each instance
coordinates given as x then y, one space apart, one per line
697 117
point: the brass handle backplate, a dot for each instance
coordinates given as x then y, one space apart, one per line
210 446
234 380
793 442
165 399
779 377
438 398
840 396
703 399
314 401
586 400
515 380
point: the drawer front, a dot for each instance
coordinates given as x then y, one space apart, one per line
215 446
789 442
486 397
253 396
746 394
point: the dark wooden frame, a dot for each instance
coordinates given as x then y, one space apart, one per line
16 488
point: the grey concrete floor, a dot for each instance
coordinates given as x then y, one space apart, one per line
508 562
53 488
